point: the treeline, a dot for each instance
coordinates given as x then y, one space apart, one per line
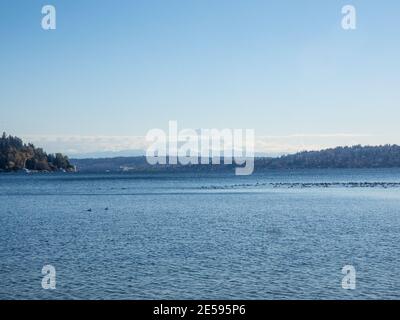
15 156
387 156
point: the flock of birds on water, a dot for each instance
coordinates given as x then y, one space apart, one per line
290 185
90 209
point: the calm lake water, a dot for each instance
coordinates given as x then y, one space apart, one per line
208 236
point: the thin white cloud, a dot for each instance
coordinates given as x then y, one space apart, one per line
269 144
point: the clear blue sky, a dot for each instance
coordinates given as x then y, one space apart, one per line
120 68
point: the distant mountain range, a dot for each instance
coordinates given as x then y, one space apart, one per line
135 153
387 156
109 154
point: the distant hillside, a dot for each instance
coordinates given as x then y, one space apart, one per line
136 164
387 156
15 156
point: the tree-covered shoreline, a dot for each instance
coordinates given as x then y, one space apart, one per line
17 156
355 157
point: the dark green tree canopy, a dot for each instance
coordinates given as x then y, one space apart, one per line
15 155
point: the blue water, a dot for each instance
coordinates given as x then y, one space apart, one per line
208 236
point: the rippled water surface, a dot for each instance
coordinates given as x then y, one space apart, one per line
274 235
